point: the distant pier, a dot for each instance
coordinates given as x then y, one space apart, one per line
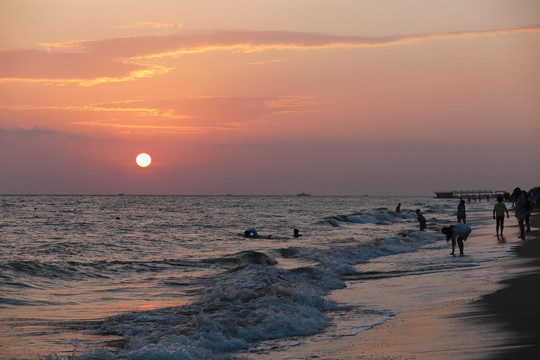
472 194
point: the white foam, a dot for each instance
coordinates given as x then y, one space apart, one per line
252 304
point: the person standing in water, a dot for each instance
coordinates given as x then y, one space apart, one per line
421 220
521 210
458 232
398 208
498 214
461 216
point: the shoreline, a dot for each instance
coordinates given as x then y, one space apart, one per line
516 305
499 322
502 324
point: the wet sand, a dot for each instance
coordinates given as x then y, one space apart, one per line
517 307
504 323
501 325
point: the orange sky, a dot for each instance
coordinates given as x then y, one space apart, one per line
268 97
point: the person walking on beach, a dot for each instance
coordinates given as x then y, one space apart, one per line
459 232
521 210
498 214
461 216
421 220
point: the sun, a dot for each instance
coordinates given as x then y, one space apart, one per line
143 160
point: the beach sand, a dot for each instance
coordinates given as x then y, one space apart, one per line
517 307
503 324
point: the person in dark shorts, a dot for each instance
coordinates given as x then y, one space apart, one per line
498 214
461 215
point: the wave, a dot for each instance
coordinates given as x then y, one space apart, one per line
76 270
380 216
340 260
253 304
243 257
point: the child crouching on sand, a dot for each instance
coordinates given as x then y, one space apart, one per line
457 231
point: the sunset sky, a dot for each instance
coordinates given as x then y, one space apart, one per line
334 97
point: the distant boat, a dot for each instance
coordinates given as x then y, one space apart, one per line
303 194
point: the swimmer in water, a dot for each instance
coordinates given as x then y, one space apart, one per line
251 233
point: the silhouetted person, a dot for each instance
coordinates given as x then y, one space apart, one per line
296 233
398 207
461 215
421 220
459 232
528 207
498 214
521 210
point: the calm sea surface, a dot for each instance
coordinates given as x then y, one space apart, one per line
173 277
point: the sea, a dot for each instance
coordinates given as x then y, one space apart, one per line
174 277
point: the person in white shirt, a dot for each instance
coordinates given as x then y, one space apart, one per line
459 232
522 208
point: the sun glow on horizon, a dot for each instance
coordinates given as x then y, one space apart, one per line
143 160
265 98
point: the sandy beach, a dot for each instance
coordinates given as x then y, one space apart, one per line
501 324
516 306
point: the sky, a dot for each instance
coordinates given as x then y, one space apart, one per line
270 97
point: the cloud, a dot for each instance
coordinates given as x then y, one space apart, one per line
190 115
264 62
151 25
89 63
81 68
19 132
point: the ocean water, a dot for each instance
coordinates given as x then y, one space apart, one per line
173 277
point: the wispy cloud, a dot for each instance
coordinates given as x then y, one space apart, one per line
88 63
146 128
151 25
263 62
35 131
132 108
191 115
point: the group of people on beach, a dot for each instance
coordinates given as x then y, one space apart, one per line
523 202
459 232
